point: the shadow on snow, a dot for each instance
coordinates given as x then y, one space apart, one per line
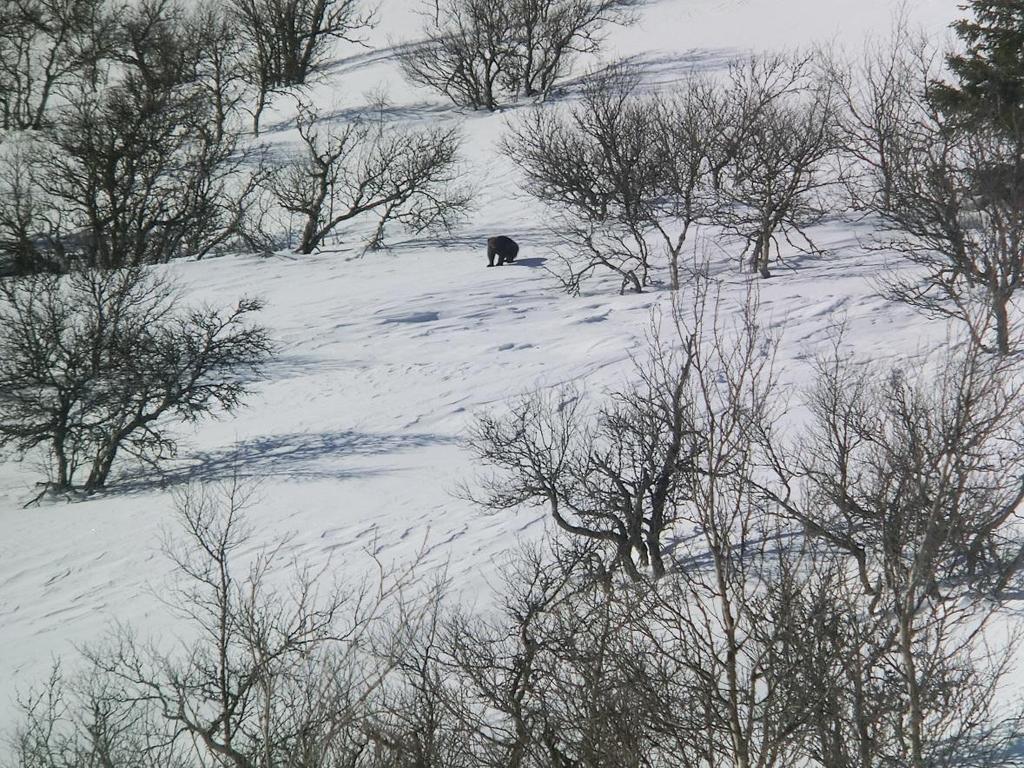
296 456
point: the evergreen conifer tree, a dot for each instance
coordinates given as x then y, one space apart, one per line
990 70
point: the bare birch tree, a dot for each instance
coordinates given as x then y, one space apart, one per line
367 168
772 172
94 364
915 480
287 42
481 54
949 195
627 473
629 174
48 47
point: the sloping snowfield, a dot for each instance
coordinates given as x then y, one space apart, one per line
355 433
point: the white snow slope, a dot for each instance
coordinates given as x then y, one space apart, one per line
355 433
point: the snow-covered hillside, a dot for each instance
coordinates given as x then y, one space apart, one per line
355 434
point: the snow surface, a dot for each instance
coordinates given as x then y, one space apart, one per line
355 433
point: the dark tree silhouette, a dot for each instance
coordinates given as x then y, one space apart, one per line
989 71
94 364
46 48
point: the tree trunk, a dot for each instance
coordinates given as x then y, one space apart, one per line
220 115
634 529
673 266
1002 319
63 480
309 237
657 562
630 281
261 103
101 467
741 752
762 253
625 556
909 671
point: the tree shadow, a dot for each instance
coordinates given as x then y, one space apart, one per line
299 456
405 113
293 365
367 58
656 69
398 113
1016 749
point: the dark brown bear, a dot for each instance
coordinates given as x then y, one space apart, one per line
505 248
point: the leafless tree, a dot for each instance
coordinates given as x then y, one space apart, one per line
220 64
136 176
157 45
479 54
628 173
720 688
691 137
46 47
612 246
599 475
851 673
275 676
949 197
259 225
963 461
957 211
86 720
914 480
468 49
144 171
551 33
404 176
287 42
96 363
772 170
628 473
633 175
168 47
272 673
724 685
580 669
27 239
421 718
880 95
822 601
779 637
535 690
861 637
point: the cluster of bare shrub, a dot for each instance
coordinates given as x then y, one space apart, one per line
822 599
948 190
716 594
772 149
633 174
122 141
409 177
53 51
137 159
484 53
119 150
